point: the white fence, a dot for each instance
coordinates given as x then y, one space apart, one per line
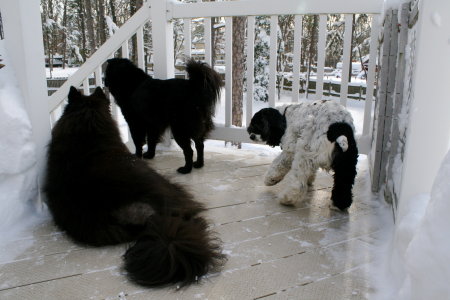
161 13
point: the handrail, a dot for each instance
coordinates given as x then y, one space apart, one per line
271 7
101 55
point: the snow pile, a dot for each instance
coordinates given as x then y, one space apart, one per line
393 4
18 172
418 266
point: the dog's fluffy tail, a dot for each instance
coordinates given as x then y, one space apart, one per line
206 80
344 160
173 250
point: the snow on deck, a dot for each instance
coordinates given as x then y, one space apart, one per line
274 251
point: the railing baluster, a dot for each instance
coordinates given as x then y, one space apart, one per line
321 55
52 118
140 47
228 69
207 37
125 50
86 86
250 66
273 59
346 62
98 76
370 82
187 38
298 27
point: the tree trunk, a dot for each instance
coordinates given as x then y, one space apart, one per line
64 35
351 50
90 26
101 22
213 43
46 37
134 6
113 11
238 68
311 51
51 38
82 27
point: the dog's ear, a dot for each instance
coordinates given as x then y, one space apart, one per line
276 123
74 94
99 92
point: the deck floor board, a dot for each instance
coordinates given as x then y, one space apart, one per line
274 251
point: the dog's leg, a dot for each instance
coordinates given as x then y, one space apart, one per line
152 140
185 144
297 187
279 168
297 179
344 167
311 179
199 146
138 136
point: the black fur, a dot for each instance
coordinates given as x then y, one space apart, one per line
270 124
101 194
151 105
343 165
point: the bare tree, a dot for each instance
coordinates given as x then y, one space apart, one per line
238 68
134 6
64 35
90 26
81 24
101 22
313 28
113 11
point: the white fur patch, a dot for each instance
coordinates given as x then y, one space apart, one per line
305 146
342 141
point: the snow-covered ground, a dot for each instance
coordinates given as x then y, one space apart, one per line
415 264
18 189
355 107
60 72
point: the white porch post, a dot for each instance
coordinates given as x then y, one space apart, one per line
428 137
24 44
162 35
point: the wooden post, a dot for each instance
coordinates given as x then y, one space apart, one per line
23 35
162 34
390 193
163 52
273 60
428 133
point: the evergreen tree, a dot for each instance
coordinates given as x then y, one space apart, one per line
262 48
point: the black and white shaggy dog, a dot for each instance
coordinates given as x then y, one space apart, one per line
312 135
152 105
101 194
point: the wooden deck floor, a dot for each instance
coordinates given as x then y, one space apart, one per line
274 251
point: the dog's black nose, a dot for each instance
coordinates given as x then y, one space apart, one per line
252 136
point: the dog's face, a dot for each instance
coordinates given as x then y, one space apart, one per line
268 126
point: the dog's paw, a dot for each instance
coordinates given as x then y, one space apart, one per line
149 155
198 164
268 180
184 170
288 200
335 208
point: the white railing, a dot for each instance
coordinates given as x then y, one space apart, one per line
162 12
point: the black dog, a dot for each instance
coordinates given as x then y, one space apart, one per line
151 105
101 194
